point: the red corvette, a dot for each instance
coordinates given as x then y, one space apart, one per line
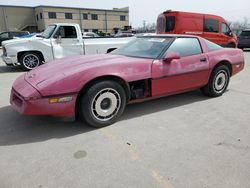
98 87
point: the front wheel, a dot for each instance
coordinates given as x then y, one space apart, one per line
102 104
30 60
218 82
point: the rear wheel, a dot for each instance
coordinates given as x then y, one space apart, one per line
30 60
218 82
102 104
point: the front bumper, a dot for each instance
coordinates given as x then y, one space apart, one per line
10 61
27 101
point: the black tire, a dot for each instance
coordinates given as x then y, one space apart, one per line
30 60
218 82
102 103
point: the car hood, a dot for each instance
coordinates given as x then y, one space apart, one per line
81 69
20 40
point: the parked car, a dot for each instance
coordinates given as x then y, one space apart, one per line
89 35
11 34
244 39
98 87
29 35
208 26
124 34
57 41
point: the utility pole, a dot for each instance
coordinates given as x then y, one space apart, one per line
106 21
5 21
144 25
81 20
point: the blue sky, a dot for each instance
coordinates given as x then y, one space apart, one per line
148 10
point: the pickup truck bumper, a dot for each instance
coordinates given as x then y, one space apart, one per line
10 61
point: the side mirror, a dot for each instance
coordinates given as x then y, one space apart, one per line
171 56
59 39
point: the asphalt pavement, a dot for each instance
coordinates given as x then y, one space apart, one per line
182 141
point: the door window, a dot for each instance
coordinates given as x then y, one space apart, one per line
226 30
66 32
4 35
185 47
211 25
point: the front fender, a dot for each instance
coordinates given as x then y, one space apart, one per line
13 48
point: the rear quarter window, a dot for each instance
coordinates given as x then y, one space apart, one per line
212 46
185 47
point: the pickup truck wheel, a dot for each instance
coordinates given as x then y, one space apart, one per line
218 82
102 104
30 60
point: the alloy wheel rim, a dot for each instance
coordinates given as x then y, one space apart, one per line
106 104
220 81
30 61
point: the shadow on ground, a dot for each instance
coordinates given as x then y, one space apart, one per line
9 69
16 129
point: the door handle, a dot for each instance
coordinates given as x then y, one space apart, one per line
203 59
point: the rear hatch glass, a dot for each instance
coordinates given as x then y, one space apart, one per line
245 34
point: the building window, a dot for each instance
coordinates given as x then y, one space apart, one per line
52 15
94 16
68 16
37 18
85 16
86 30
122 18
95 30
41 15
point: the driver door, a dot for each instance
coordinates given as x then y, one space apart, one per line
189 72
226 34
66 43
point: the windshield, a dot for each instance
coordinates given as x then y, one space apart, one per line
48 31
144 47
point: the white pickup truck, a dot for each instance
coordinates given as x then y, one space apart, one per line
57 41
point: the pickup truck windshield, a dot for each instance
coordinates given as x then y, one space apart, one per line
48 31
145 47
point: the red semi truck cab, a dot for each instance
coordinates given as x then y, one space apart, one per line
210 27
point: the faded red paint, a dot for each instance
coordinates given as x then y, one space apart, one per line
66 77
